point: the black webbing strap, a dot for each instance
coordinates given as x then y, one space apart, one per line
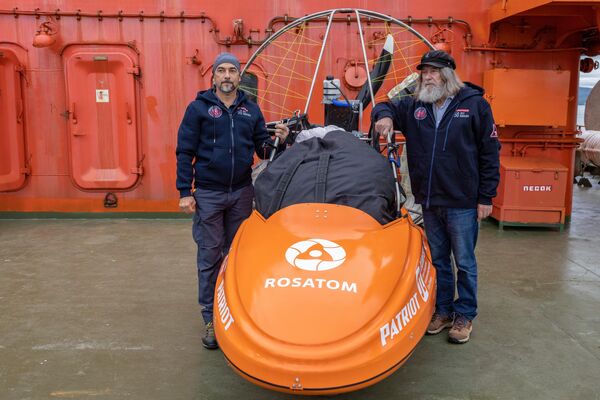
282 186
322 168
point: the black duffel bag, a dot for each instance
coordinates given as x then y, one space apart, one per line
336 169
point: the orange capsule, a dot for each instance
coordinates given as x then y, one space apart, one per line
322 299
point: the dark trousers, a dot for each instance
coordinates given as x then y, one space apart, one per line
218 217
454 231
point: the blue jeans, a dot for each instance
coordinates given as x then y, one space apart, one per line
216 220
454 231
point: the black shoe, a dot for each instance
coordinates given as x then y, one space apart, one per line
209 340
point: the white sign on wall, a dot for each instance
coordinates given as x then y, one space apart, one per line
102 96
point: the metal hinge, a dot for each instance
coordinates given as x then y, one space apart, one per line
139 170
21 70
134 71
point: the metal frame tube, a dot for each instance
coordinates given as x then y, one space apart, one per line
312 85
280 32
301 20
364 51
331 13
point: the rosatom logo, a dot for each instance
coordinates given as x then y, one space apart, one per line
313 255
324 255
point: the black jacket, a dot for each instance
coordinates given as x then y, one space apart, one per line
457 163
216 144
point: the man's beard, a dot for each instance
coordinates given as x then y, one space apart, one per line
227 87
431 93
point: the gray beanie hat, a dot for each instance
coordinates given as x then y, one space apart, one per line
226 58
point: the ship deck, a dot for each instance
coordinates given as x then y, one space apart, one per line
106 309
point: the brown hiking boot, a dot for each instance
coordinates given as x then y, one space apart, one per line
460 331
438 323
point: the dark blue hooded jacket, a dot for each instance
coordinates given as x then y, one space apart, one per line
216 144
457 163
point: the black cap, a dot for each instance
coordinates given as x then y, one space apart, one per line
437 58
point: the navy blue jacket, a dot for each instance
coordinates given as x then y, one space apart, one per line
457 163
216 144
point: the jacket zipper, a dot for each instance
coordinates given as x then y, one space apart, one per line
446 136
430 112
431 169
449 122
232 151
433 149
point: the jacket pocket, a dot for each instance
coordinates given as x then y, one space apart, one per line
418 168
450 180
467 166
220 158
243 164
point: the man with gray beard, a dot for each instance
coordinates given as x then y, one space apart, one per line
453 160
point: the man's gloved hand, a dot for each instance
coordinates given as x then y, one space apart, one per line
187 204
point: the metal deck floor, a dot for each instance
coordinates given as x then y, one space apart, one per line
105 309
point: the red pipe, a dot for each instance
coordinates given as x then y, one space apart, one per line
552 133
284 19
523 149
100 15
517 50
541 140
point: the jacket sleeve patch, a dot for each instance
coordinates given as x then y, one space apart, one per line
494 133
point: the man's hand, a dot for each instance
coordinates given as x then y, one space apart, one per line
187 204
282 132
483 211
384 126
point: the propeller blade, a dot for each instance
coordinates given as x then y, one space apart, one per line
405 87
380 69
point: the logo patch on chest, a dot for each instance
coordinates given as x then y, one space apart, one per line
420 113
461 113
243 111
215 111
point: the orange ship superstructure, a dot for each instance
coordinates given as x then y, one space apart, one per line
92 96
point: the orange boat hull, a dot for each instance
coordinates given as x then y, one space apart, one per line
322 299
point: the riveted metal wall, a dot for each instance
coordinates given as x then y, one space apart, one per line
57 165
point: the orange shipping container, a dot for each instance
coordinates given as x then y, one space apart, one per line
531 192
542 100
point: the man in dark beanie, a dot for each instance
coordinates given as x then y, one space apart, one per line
217 138
453 160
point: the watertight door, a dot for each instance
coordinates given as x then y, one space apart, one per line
12 144
102 99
